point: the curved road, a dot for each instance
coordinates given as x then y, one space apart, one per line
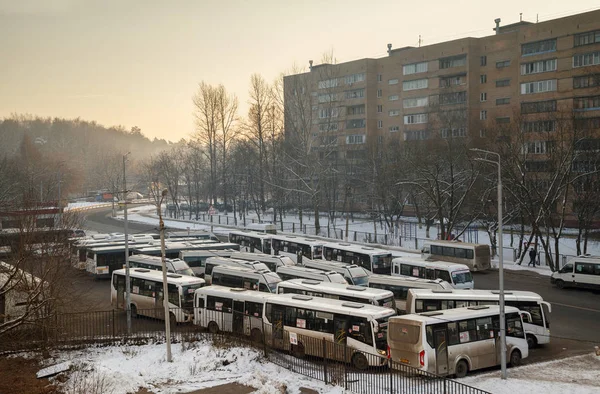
574 321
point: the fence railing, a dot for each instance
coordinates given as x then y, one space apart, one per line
316 357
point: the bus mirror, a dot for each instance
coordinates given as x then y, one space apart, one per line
526 316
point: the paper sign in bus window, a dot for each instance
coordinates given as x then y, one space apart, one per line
300 323
219 306
464 337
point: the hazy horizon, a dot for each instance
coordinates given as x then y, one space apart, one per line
138 63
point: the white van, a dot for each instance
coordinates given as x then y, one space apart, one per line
458 275
297 272
582 271
353 273
399 285
175 266
273 262
213 262
245 278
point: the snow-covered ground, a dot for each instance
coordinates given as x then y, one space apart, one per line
84 204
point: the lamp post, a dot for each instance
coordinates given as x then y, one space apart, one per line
500 257
161 225
127 284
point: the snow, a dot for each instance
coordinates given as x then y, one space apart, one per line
83 204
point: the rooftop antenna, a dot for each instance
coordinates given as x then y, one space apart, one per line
497 20
389 51
310 62
520 17
420 40
537 18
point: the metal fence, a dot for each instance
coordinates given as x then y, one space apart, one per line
318 358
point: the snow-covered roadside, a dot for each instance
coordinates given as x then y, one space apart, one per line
124 369
574 375
84 204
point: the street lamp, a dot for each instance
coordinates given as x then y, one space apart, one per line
161 226
127 284
500 256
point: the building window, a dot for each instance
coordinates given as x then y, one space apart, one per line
415 84
538 86
503 64
415 118
586 81
483 97
394 97
588 38
380 124
393 81
483 60
541 66
394 129
503 119
394 112
586 103
587 144
536 147
414 135
355 123
328 113
587 123
453 61
328 83
538 47
327 98
415 102
483 78
538 126
538 107
454 132
453 98
350 79
503 101
586 59
379 77
538 166
482 133
502 82
379 93
355 110
414 68
355 139
333 126
379 108
455 80
328 140
356 93
483 115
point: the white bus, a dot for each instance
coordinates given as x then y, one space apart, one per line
352 273
245 278
229 309
147 294
377 261
102 261
269 260
291 246
175 266
458 275
267 228
475 256
251 241
456 341
214 261
537 326
196 259
355 333
399 286
197 234
338 291
582 271
298 272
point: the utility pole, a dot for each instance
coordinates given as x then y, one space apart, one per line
127 283
161 225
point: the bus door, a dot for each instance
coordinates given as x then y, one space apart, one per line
238 318
440 340
278 312
120 291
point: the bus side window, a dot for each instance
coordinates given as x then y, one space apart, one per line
396 269
200 302
452 334
429 273
470 254
443 275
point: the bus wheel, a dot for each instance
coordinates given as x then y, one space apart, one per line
256 336
515 358
133 311
461 369
213 328
531 341
560 284
172 320
298 350
359 361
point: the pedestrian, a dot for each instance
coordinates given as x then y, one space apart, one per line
532 254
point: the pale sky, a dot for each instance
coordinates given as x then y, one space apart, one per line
138 63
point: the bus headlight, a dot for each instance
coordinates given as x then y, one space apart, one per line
382 352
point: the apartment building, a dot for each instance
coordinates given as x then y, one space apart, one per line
460 88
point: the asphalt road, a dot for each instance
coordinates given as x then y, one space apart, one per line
574 321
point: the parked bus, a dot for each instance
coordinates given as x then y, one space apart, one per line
353 274
214 261
475 256
291 246
175 266
456 341
273 262
582 271
537 326
377 261
172 249
355 333
196 259
337 291
197 234
102 261
251 241
399 285
245 278
230 309
147 294
298 272
267 228
458 275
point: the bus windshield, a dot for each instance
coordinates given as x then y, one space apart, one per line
272 281
188 295
359 276
382 264
462 277
381 333
318 252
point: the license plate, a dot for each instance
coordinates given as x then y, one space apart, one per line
404 361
